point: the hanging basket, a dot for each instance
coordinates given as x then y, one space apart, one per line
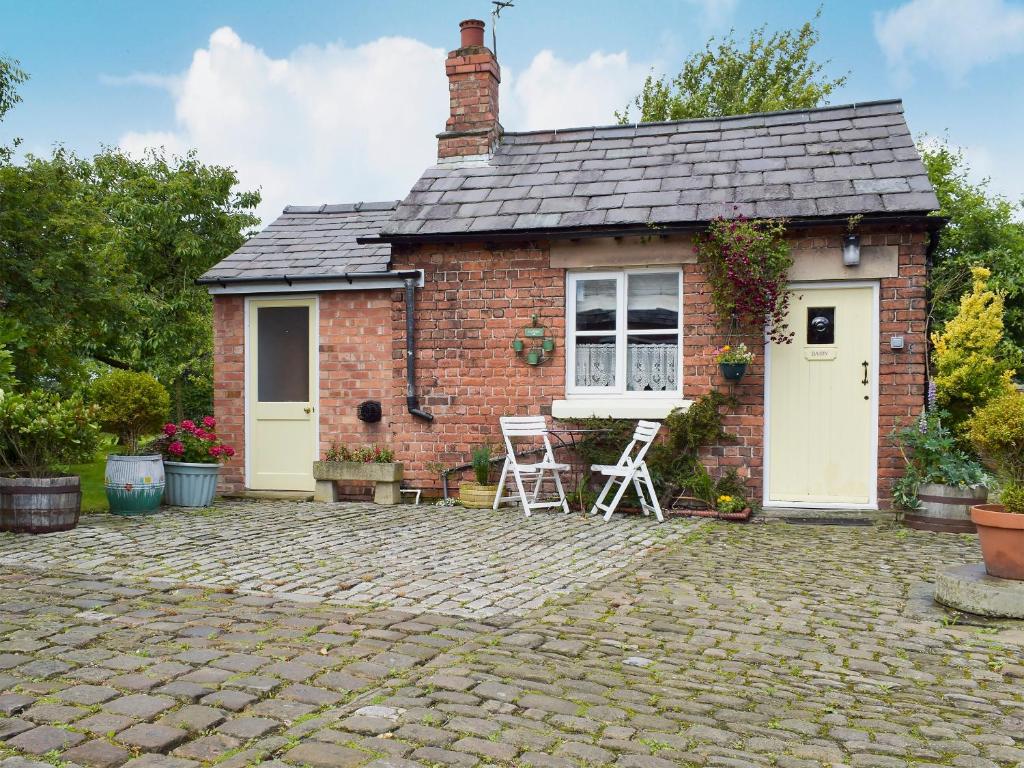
732 371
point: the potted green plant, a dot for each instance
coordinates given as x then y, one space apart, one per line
132 405
733 360
192 457
997 433
941 481
479 495
40 435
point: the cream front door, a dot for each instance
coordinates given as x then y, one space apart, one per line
822 401
282 389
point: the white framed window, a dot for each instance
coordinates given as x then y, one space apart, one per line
624 333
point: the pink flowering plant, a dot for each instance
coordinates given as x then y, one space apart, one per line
747 262
194 443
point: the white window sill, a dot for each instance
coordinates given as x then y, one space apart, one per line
617 407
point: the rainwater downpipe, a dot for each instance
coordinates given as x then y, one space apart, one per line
411 401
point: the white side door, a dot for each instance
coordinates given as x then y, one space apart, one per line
282 387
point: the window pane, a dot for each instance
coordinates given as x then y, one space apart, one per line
653 301
652 363
595 305
283 354
595 361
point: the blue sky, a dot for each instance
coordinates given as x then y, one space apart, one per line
336 101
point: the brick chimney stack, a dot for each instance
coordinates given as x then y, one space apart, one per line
472 129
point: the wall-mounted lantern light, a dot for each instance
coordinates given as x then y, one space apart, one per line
851 250
541 345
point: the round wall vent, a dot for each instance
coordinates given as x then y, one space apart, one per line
369 411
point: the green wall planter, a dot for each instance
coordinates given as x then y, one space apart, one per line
190 485
134 484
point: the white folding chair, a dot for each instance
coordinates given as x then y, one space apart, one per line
529 426
631 469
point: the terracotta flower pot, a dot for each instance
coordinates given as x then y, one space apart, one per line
1001 535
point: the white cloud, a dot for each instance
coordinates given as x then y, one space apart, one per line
326 124
553 93
342 124
1002 170
951 36
136 143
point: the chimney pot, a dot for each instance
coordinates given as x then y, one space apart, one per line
472 33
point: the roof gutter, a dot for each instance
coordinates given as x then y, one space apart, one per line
297 283
932 222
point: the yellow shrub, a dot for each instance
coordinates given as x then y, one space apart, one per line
997 432
969 367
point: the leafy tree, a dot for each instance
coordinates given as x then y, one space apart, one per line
100 256
170 220
984 229
11 76
61 292
767 73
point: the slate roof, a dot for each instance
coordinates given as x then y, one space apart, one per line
826 162
311 241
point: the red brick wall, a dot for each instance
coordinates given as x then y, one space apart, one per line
355 365
474 303
229 385
902 382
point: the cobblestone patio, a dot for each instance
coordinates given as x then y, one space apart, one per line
451 560
759 645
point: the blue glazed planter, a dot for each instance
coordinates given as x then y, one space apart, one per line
190 485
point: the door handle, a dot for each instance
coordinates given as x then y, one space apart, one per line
308 409
864 381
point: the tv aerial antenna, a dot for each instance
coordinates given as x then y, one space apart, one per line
499 6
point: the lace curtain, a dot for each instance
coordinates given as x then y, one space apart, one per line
649 367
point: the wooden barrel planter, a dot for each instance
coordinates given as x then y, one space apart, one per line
945 508
39 504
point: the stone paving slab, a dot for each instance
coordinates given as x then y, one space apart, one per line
759 645
420 558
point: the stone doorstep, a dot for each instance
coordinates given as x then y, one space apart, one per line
255 495
776 514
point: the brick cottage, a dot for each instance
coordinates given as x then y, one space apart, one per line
587 234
